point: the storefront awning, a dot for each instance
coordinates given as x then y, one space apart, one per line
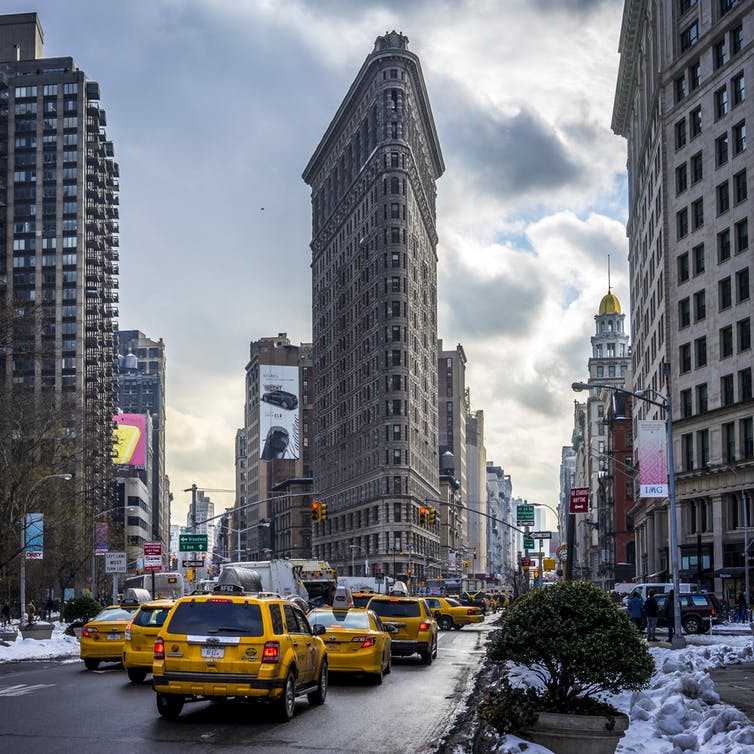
736 572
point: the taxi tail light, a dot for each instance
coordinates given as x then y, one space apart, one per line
365 641
472 611
127 632
221 600
89 632
271 651
423 626
159 649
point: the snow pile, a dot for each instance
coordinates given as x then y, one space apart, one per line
59 647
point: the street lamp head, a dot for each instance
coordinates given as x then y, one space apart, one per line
66 477
579 386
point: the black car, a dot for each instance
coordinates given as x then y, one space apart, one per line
275 443
281 398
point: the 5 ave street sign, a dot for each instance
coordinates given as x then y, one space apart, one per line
541 535
528 542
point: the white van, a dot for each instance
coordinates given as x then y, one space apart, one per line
627 589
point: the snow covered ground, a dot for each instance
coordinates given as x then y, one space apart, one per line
678 713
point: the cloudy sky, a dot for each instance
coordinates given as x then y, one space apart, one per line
216 106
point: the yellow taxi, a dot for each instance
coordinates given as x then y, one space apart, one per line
238 643
362 597
417 631
140 633
450 613
356 639
103 636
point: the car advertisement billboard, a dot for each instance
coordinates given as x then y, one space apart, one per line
130 446
278 412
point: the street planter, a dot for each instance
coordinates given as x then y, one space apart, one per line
577 734
37 631
8 636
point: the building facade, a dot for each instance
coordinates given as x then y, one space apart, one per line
374 317
58 261
681 104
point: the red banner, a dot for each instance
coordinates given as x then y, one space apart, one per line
579 502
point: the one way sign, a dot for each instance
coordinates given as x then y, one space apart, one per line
541 534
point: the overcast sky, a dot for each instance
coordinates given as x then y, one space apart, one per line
216 106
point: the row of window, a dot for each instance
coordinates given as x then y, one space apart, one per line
725 347
48 90
695 447
724 298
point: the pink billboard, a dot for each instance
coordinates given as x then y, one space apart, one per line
653 463
130 441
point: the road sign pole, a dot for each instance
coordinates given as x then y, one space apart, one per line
541 562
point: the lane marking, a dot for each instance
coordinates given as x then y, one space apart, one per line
22 689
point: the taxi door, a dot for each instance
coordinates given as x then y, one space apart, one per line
302 642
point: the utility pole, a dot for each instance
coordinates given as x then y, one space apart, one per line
193 508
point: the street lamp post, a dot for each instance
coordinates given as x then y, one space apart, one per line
24 543
664 402
366 559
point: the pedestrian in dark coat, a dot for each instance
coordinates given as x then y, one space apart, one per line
6 614
651 610
670 613
636 609
740 608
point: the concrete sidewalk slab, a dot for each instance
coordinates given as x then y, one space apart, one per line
734 684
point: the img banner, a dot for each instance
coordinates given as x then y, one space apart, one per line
653 459
34 536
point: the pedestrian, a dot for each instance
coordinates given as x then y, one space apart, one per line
49 605
636 610
6 613
652 612
31 611
740 608
670 613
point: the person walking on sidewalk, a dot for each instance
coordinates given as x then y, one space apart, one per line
651 610
635 610
740 608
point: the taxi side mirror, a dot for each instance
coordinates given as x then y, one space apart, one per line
318 629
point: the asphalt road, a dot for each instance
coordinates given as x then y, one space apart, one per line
61 707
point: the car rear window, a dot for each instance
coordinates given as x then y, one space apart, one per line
114 613
154 617
216 617
386 609
700 600
361 600
452 602
336 619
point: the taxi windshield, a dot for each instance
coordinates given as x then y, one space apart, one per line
153 616
114 613
338 619
216 617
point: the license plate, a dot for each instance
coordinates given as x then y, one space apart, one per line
113 637
213 653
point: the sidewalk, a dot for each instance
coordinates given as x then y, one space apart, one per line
734 683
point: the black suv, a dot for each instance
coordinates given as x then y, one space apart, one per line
475 599
699 610
281 398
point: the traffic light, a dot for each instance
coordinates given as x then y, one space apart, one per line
190 574
315 511
475 553
323 511
422 515
431 516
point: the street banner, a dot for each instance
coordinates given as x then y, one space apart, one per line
579 500
652 457
34 540
100 537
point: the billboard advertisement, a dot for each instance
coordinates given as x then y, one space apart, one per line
130 446
34 536
278 412
653 461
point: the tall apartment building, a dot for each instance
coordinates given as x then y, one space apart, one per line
681 102
274 454
58 254
374 315
476 486
141 390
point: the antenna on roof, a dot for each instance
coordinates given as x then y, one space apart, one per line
608 274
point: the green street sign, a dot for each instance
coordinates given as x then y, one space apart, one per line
528 543
192 542
525 515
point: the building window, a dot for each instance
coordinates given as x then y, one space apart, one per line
696 168
742 236
726 341
721 102
739 137
698 255
738 85
684 5
723 198
683 267
747 437
684 353
701 398
680 133
686 404
740 190
682 223
697 213
702 439
724 295
681 179
689 36
743 331
687 451
726 390
700 306
695 75
723 245
721 149
744 384
680 88
720 53
695 122
700 351
736 40
742 285
684 313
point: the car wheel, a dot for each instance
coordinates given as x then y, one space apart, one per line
692 624
284 404
287 702
434 654
377 678
389 666
426 656
169 706
445 623
137 675
319 696
91 664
